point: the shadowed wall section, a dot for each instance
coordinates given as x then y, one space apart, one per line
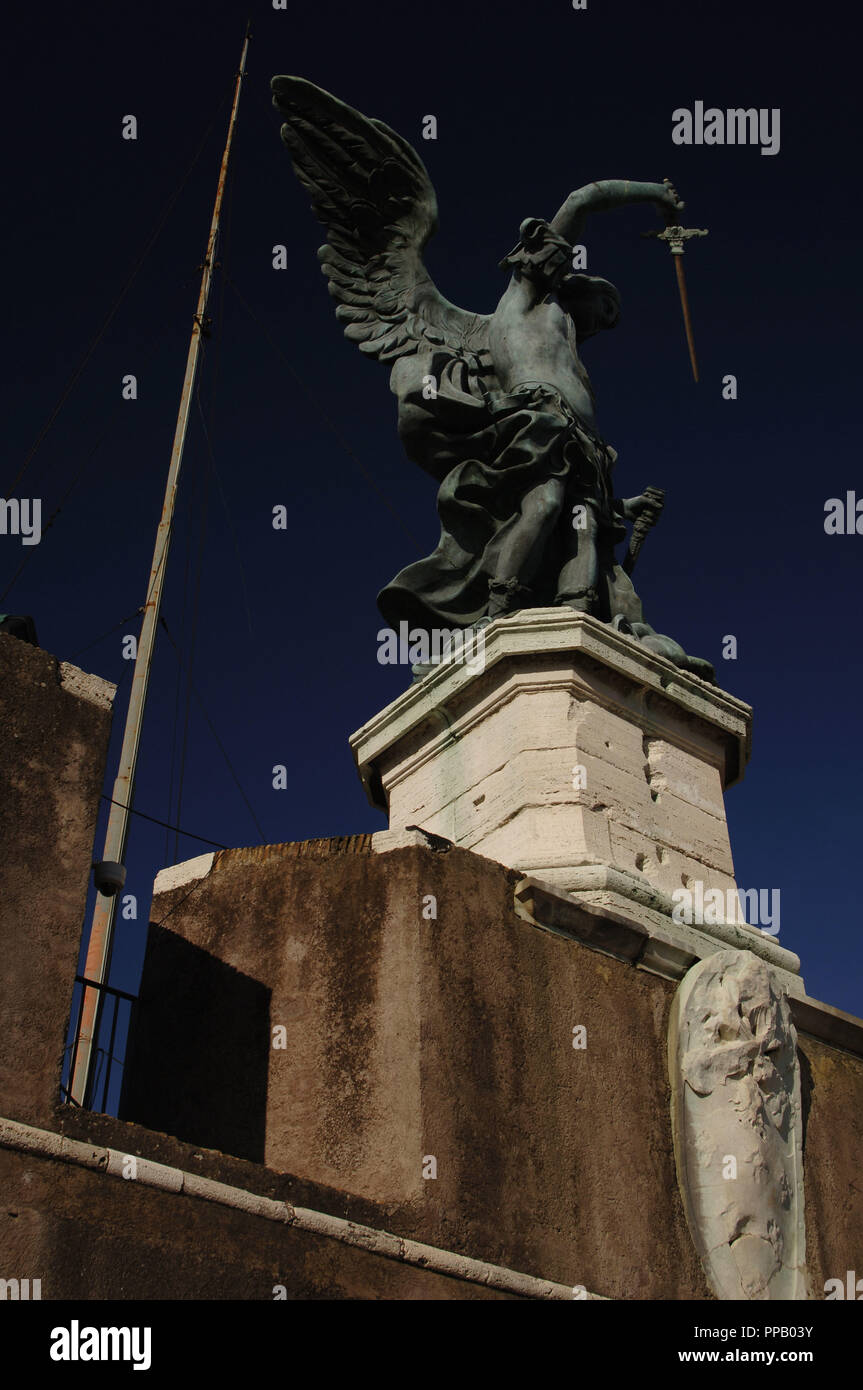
196 1064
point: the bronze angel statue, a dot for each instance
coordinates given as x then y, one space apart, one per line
498 408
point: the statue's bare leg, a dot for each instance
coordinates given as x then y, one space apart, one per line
577 581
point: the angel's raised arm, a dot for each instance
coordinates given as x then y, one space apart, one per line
569 220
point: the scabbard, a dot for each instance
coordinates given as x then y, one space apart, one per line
645 523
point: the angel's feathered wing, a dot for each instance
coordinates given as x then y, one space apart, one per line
373 194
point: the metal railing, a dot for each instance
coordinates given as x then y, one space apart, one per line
106 1070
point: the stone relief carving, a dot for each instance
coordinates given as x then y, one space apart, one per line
737 1124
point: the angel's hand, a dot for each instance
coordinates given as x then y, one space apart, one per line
671 204
632 507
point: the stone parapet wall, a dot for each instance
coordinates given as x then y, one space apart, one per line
55 723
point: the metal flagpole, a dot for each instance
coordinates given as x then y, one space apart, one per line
102 928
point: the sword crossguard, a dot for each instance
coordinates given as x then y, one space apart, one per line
675 237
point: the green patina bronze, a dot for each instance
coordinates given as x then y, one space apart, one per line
498 408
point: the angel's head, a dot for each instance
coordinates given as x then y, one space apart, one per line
545 257
592 303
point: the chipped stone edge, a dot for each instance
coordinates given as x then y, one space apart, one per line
94 689
48 1144
177 875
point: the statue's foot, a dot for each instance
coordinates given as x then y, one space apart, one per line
505 596
580 601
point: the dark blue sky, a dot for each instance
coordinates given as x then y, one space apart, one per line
531 101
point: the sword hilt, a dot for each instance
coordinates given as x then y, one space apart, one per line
675 238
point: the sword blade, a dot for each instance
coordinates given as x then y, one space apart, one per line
681 285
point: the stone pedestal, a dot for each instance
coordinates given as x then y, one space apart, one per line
567 750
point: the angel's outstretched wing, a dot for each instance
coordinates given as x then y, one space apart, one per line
373 194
